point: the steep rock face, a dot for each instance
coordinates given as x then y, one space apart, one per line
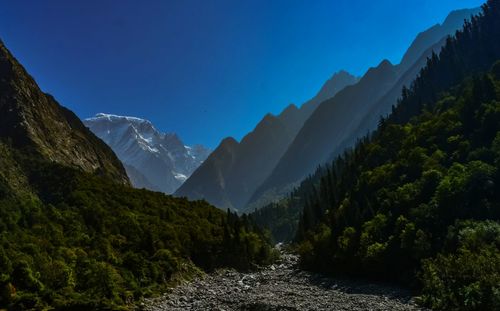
338 122
153 160
230 185
33 121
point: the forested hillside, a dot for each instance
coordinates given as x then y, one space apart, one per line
77 240
418 202
74 235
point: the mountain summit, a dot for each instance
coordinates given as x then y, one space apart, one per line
33 122
153 160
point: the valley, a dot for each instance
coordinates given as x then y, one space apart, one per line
281 286
381 192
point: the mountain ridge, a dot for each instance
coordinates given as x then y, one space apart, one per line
325 133
229 185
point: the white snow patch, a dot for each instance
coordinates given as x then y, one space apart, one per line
180 177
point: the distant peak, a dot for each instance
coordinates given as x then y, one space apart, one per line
228 142
336 82
290 111
266 121
385 67
268 117
340 76
342 73
385 63
290 107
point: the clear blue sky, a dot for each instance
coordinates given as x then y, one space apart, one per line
205 69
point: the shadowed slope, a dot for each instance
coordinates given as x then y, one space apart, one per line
34 122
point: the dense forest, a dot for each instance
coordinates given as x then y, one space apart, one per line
281 218
417 201
73 240
415 190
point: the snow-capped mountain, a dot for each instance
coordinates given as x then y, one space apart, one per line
153 160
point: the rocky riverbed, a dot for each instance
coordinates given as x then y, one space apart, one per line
280 287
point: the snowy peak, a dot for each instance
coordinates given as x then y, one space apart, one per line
162 159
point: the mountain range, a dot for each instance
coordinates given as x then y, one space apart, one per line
282 150
234 170
153 160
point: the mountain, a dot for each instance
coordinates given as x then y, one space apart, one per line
33 121
338 122
75 235
234 170
153 160
418 201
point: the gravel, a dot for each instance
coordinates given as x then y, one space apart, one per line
281 286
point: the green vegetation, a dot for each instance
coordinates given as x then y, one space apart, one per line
72 240
418 202
279 218
282 218
471 264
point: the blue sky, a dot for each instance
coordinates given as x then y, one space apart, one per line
205 69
